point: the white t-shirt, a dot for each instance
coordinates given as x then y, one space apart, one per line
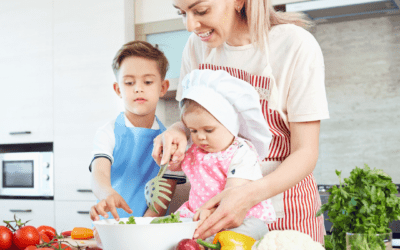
297 65
104 143
245 163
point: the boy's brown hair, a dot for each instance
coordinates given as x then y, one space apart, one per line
144 50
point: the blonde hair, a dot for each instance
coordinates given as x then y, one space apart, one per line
261 17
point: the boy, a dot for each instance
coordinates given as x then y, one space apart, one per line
122 162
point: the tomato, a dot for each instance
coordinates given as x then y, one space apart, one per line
48 230
66 233
31 248
59 245
13 247
44 238
26 236
5 237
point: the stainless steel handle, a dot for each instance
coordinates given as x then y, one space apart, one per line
84 191
20 210
83 212
20 133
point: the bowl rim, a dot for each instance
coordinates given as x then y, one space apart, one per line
113 222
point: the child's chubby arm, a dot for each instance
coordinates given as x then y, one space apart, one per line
162 211
102 189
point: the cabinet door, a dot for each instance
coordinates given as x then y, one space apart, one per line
26 77
85 42
70 214
38 212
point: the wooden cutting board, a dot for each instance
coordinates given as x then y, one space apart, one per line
88 244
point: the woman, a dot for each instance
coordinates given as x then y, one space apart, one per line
284 63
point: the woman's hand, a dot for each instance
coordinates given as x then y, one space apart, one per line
232 206
163 146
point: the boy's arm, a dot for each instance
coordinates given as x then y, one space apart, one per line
110 200
162 211
101 178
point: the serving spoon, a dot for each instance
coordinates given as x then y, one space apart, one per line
153 188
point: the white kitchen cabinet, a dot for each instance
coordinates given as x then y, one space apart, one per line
26 71
70 214
38 212
86 40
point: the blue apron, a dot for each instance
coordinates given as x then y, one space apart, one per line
133 164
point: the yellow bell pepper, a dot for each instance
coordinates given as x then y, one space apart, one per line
229 240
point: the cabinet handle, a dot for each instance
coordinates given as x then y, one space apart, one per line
84 191
83 212
20 133
20 210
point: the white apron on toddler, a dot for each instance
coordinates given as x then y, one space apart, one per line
207 174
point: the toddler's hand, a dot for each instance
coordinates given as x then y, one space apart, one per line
201 215
109 204
163 144
174 165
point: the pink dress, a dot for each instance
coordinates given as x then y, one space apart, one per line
207 173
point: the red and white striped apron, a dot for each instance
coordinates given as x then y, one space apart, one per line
296 207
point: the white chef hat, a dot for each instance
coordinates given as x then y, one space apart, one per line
233 102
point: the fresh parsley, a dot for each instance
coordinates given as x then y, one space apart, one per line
365 203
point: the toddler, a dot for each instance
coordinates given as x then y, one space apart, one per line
216 107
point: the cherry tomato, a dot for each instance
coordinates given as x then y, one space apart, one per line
5 237
26 236
44 238
48 230
59 246
13 247
31 248
66 233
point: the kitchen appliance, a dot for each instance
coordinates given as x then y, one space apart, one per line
321 11
26 175
143 235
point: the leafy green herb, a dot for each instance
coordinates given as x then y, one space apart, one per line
328 242
365 203
131 220
172 218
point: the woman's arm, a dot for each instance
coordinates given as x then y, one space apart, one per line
176 134
234 203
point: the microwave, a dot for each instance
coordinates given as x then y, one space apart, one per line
27 175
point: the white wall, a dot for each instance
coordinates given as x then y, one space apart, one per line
147 11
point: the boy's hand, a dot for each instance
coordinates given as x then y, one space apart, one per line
109 204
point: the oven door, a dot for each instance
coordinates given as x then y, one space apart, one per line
20 174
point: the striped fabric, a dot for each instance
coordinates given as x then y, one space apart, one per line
301 202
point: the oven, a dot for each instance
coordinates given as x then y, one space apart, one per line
26 175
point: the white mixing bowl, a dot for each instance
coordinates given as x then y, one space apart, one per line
143 235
